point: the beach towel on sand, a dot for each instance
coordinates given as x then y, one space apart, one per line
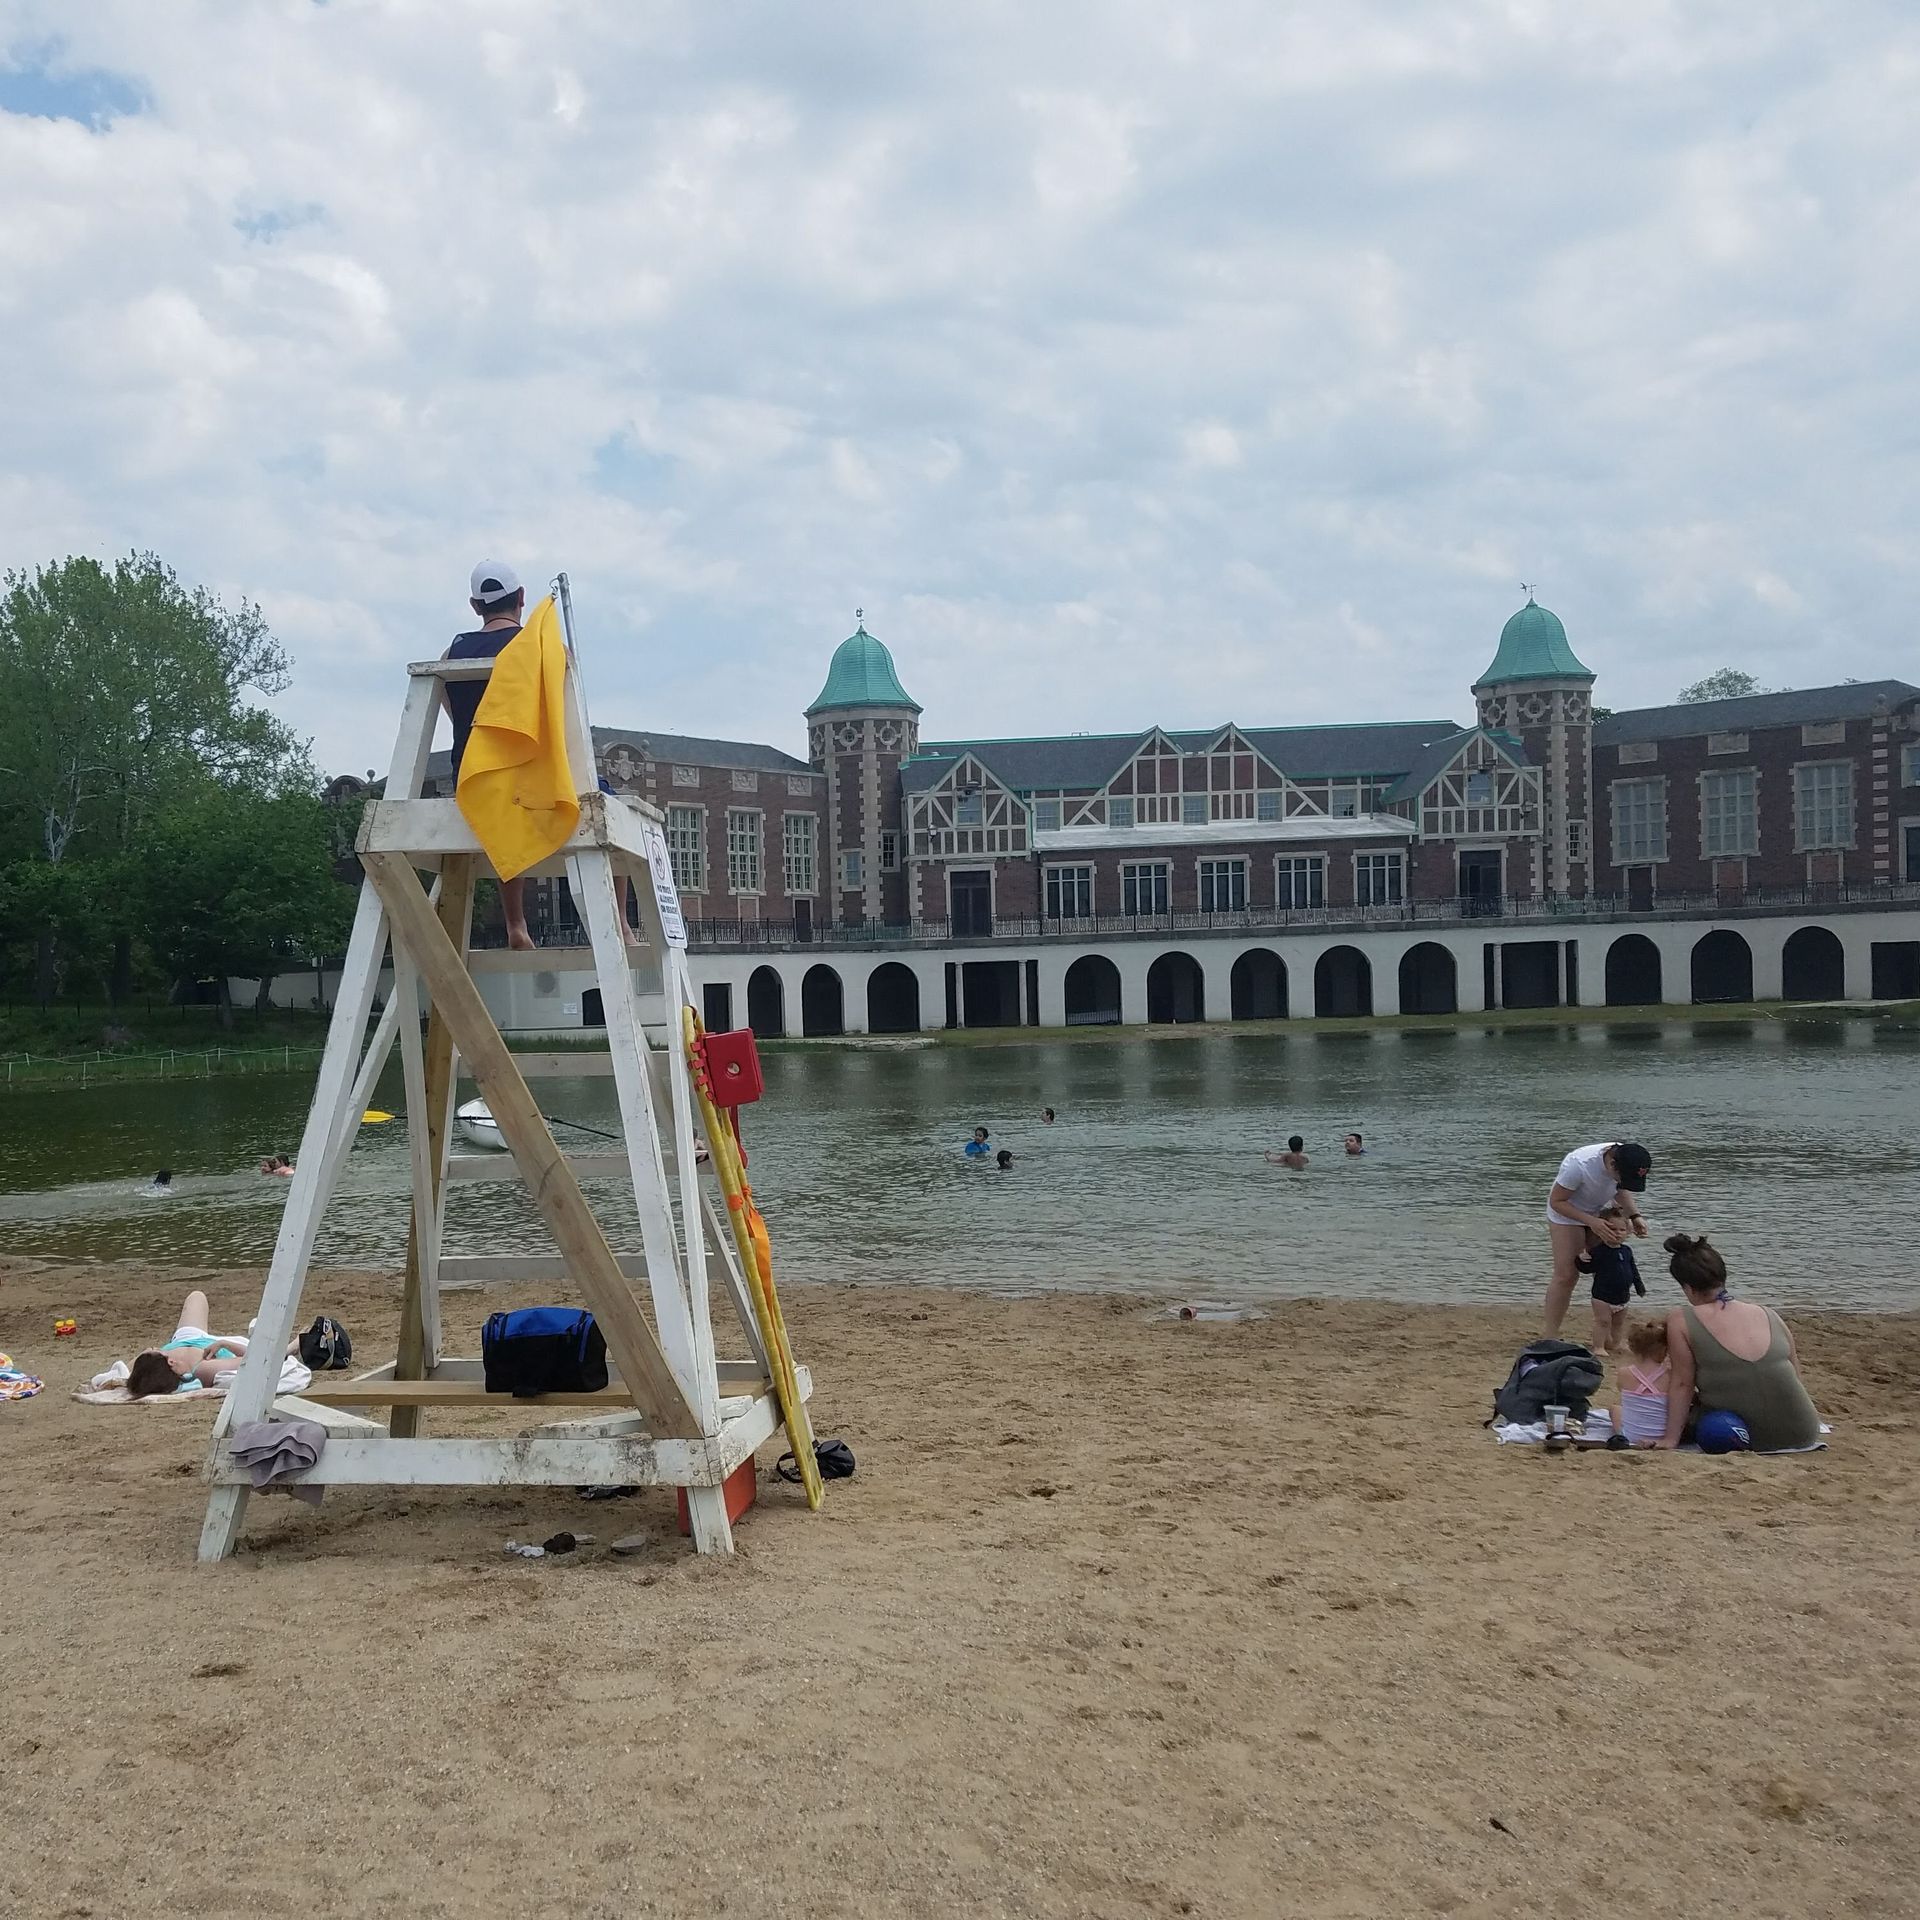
15 1382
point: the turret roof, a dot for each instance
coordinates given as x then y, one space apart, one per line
1533 646
861 675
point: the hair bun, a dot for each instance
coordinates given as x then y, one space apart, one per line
1684 1242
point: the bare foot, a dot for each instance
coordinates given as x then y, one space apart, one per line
519 939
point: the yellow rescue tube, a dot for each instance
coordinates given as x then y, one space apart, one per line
755 1247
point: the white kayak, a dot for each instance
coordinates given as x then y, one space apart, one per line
473 1120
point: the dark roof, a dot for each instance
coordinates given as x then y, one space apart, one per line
689 750
685 749
1074 761
1752 712
1368 746
1431 760
1079 761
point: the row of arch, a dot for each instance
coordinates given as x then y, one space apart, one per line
1720 969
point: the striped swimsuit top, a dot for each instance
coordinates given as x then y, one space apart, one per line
1643 1403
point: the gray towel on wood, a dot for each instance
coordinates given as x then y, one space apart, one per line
271 1450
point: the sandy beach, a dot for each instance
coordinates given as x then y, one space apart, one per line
1119 1617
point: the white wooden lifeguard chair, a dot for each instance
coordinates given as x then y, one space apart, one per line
672 1414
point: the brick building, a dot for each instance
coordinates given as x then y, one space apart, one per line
1538 800
1776 790
1542 798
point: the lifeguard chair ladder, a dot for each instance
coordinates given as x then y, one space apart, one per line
671 1415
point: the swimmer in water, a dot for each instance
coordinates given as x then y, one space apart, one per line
1003 1159
1046 1116
1294 1157
1355 1146
977 1148
162 1181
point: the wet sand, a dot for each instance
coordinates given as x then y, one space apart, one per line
1119 1617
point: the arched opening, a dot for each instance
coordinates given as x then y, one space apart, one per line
1812 966
1342 983
593 1012
1722 967
1093 992
822 1007
766 1004
1176 991
1258 987
1633 972
893 999
1429 979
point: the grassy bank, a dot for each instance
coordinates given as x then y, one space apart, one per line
83 1047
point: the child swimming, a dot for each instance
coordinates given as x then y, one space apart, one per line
1643 1384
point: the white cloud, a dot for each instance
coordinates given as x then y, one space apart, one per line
1212 445
1237 363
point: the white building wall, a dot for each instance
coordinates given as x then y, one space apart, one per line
551 1002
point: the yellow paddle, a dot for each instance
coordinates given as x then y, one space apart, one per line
373 1117
756 1261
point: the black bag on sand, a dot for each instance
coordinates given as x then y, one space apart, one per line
834 1458
324 1347
1548 1373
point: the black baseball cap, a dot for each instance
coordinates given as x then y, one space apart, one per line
1631 1165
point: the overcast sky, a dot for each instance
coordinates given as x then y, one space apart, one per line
1125 362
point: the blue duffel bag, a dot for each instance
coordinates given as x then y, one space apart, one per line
543 1350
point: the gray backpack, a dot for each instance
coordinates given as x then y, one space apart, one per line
1548 1373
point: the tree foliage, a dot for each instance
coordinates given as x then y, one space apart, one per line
1729 683
233 883
129 698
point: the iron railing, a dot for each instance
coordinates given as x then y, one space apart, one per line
785 935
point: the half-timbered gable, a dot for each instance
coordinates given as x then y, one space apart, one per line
1150 782
1476 784
967 813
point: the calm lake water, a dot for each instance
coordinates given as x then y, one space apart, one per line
1794 1144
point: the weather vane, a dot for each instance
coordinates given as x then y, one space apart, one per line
859 616
1527 587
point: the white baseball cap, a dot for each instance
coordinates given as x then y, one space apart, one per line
494 580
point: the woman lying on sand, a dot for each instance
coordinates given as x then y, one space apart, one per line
1730 1354
192 1358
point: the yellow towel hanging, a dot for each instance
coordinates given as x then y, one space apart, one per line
516 789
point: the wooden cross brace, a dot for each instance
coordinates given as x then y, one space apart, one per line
549 1178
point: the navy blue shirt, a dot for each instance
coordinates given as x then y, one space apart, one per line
463 696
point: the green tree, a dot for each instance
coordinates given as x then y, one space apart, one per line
125 689
234 883
1728 684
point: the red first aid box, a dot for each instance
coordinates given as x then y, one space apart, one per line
733 1067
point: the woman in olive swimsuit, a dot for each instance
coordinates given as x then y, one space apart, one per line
1731 1354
